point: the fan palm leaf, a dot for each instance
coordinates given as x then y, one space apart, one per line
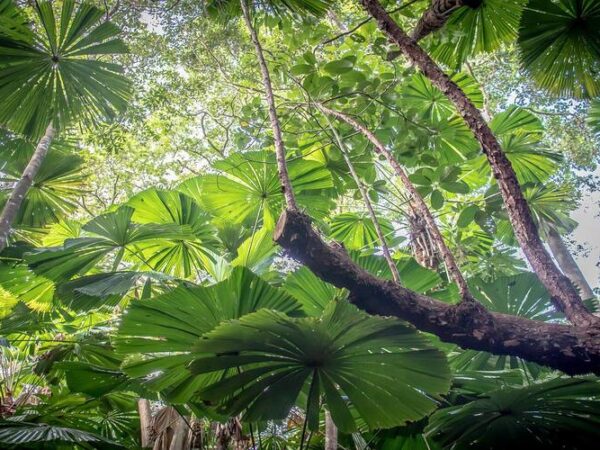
562 413
55 188
560 46
346 356
166 328
57 76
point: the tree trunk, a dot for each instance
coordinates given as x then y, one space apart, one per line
435 17
572 349
14 202
145 422
180 435
564 295
331 433
568 264
286 185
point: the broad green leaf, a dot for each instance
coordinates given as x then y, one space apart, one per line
381 367
554 414
482 28
57 76
159 334
357 231
560 46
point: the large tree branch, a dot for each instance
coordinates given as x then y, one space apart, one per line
574 350
564 295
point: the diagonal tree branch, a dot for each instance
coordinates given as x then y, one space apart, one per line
574 350
418 201
564 295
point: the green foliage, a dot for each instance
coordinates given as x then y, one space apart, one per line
555 414
176 320
27 435
56 186
334 356
482 28
156 276
55 75
357 232
248 187
560 46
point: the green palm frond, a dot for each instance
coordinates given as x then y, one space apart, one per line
174 322
378 366
15 435
232 8
248 187
479 29
562 413
60 75
560 46
593 119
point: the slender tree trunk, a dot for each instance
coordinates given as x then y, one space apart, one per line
286 185
145 413
14 202
331 433
365 196
564 295
416 198
568 264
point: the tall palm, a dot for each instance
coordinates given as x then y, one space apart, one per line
51 76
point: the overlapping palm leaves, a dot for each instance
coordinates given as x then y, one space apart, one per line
248 187
165 329
482 27
562 413
347 357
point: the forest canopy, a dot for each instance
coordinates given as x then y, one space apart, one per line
299 224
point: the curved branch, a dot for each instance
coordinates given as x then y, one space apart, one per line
574 350
564 295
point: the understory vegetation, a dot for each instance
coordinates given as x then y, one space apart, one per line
299 224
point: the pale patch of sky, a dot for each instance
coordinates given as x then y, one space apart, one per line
587 234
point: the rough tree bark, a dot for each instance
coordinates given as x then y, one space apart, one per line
564 295
331 433
572 349
365 196
14 202
435 17
284 178
418 201
145 413
568 264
